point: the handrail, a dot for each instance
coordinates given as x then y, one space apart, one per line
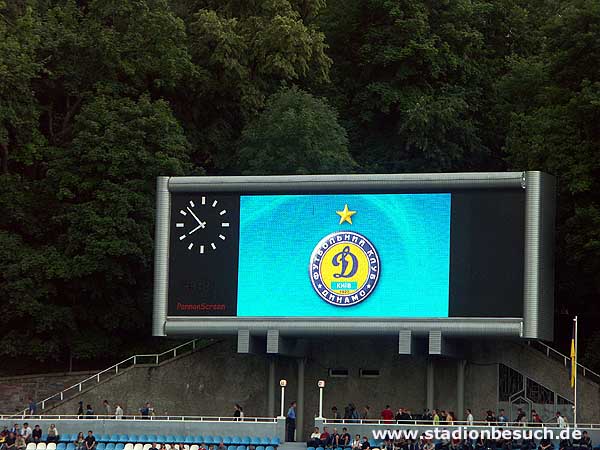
155 361
555 354
456 423
56 417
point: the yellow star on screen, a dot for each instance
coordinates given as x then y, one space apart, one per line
345 215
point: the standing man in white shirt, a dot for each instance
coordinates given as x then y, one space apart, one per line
26 433
118 411
469 417
560 420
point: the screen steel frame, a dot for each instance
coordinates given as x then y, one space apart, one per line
538 278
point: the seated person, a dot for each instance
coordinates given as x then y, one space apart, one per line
20 443
325 437
345 438
365 445
334 439
585 442
545 444
9 441
52 434
565 444
202 446
90 441
315 438
356 443
36 434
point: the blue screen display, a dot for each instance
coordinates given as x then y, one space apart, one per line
389 256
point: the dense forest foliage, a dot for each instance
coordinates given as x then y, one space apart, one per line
98 97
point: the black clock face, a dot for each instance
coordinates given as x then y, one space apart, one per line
203 254
202 224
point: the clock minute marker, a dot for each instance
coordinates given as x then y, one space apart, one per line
222 237
192 204
182 237
183 213
190 246
223 212
214 203
204 200
212 244
225 224
202 249
179 225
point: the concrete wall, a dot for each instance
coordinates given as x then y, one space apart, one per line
15 391
210 381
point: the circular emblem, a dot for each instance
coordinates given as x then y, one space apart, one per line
344 268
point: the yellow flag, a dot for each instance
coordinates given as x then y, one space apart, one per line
573 360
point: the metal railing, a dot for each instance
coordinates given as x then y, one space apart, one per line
154 360
129 417
456 423
566 360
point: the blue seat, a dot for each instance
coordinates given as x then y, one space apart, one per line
189 440
275 441
180 438
228 440
201 439
123 438
119 446
318 448
232 447
265 441
339 448
255 440
71 438
236 440
160 439
142 439
70 446
62 438
310 448
241 447
114 438
217 439
61 446
100 446
133 438
103 438
170 439
270 447
247 440
260 447
110 446
151 438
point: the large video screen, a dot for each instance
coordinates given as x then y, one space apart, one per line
330 255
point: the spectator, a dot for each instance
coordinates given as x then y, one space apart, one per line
365 445
356 444
118 411
335 415
428 444
502 419
238 412
4 433
469 417
334 440
155 446
80 409
89 411
387 414
290 422
52 434
20 443
565 444
345 439
450 418
315 438
90 441
365 412
163 447
145 411
32 408
560 420
9 442
490 418
520 415
585 442
16 429
545 444
202 446
324 438
221 446
426 416
398 415
443 417
436 417
107 408
80 441
36 434
26 433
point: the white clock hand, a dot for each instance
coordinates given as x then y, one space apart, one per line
195 217
199 226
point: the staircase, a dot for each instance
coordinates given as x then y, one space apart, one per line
151 360
564 359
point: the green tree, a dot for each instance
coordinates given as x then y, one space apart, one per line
295 134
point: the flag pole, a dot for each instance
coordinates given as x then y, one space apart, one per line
574 365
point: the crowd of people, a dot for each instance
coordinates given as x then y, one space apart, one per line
17 438
440 416
334 439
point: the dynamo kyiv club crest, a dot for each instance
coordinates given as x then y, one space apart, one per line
344 268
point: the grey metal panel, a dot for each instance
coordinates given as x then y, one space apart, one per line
273 341
405 342
538 279
161 256
298 327
312 183
435 342
243 342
